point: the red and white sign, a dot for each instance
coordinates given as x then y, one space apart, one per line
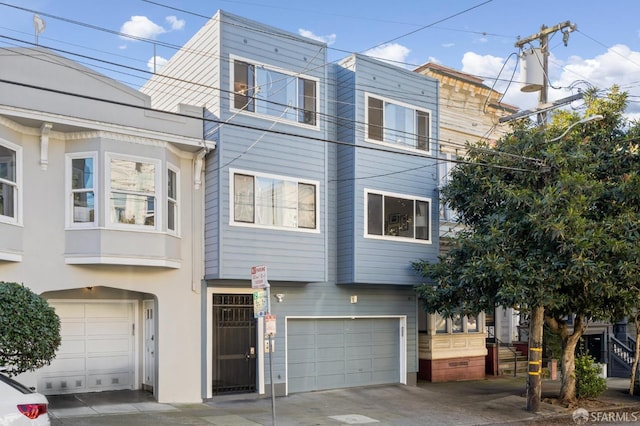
259 277
270 325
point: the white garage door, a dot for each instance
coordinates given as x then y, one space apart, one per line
338 353
97 349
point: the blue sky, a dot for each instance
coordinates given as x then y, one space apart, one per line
475 36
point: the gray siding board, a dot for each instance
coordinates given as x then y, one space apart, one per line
370 260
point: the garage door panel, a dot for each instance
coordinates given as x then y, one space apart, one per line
108 345
345 352
109 310
68 365
69 310
72 328
329 354
330 340
302 370
104 328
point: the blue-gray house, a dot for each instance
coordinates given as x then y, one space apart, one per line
323 173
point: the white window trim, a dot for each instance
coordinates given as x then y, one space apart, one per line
232 221
233 109
159 188
384 99
17 220
175 170
392 238
69 223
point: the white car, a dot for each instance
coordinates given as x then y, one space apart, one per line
20 405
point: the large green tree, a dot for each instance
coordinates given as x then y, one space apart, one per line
29 329
539 207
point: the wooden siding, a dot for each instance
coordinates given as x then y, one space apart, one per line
258 144
371 166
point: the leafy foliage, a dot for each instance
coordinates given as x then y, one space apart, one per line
552 220
589 383
30 329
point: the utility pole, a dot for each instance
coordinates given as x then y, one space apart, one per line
543 37
536 313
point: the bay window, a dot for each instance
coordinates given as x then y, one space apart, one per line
396 216
274 201
394 123
266 91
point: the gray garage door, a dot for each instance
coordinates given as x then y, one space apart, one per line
338 353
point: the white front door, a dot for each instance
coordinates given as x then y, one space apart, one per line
149 366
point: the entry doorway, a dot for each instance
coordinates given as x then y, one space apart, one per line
234 344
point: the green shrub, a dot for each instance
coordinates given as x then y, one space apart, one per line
29 329
589 384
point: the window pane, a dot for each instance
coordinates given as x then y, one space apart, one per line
172 182
243 198
441 323
285 203
243 86
82 173
375 124
132 209
307 205
399 125
7 200
374 214
472 324
171 215
7 164
276 94
422 220
133 176
456 322
422 130
307 101
398 217
172 196
83 207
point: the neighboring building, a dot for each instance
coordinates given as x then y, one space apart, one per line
100 213
326 175
454 348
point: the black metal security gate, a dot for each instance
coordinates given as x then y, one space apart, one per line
234 344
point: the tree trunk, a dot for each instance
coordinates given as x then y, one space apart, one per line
634 366
569 343
534 384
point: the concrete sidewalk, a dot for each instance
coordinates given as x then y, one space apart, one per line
480 402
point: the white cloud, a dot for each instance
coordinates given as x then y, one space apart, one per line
141 27
176 24
618 65
391 52
329 39
448 45
157 62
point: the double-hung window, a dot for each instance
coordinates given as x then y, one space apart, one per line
133 191
274 201
397 216
81 175
172 200
398 124
446 165
266 91
10 161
